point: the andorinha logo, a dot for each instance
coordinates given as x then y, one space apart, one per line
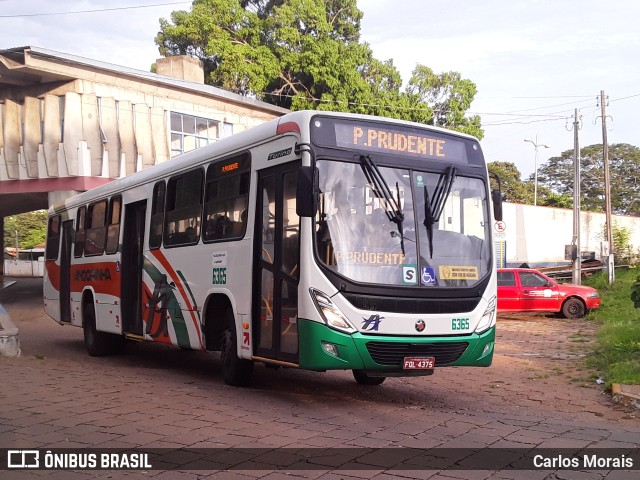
93 274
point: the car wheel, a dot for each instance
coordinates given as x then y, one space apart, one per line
235 371
573 308
363 379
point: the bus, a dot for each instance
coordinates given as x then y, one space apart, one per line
318 240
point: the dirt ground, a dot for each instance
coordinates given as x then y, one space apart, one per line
538 368
540 362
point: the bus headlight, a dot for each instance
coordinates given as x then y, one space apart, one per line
488 319
330 313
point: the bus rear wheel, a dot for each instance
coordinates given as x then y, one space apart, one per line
235 371
363 379
99 344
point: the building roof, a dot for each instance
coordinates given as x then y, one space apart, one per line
23 66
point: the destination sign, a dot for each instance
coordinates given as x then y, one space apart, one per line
227 166
396 141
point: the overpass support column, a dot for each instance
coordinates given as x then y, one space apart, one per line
59 196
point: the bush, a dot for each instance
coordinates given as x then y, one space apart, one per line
617 350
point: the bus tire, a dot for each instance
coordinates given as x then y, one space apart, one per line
573 308
363 379
235 371
98 344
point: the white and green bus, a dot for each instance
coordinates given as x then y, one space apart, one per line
318 241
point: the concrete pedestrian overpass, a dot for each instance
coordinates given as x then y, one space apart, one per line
69 124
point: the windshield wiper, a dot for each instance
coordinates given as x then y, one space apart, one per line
381 189
433 208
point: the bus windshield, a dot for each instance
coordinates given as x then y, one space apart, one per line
442 241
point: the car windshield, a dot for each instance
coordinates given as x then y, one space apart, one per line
442 239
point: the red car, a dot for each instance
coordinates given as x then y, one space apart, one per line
527 290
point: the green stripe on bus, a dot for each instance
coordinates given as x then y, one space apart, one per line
193 299
173 306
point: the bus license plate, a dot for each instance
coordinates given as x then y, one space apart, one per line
419 363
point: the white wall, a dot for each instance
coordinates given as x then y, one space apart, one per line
538 235
24 268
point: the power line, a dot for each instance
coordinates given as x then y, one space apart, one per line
519 122
535 97
553 106
91 11
624 98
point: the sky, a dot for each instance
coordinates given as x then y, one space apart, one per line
533 62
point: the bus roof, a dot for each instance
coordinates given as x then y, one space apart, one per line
228 146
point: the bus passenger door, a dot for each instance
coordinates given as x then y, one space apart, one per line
276 267
132 263
65 271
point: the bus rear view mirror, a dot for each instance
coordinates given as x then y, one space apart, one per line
307 192
496 198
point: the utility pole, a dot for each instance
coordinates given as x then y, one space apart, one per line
577 262
607 190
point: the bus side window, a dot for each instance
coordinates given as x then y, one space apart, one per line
226 201
184 209
78 248
291 227
157 216
113 230
53 238
96 228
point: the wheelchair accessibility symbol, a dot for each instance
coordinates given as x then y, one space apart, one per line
428 276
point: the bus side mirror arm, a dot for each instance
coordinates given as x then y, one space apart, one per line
496 198
307 188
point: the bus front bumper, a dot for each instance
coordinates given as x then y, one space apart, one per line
322 348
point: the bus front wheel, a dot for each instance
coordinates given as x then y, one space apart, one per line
363 379
235 371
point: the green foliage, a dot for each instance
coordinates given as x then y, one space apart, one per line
307 54
624 166
617 351
513 188
449 96
551 199
622 247
31 228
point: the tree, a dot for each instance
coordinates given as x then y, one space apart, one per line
513 188
449 95
551 199
307 54
31 228
624 167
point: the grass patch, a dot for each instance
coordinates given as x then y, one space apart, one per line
616 354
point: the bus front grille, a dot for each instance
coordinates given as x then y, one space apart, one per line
392 354
412 305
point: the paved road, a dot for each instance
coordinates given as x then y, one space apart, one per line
536 394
